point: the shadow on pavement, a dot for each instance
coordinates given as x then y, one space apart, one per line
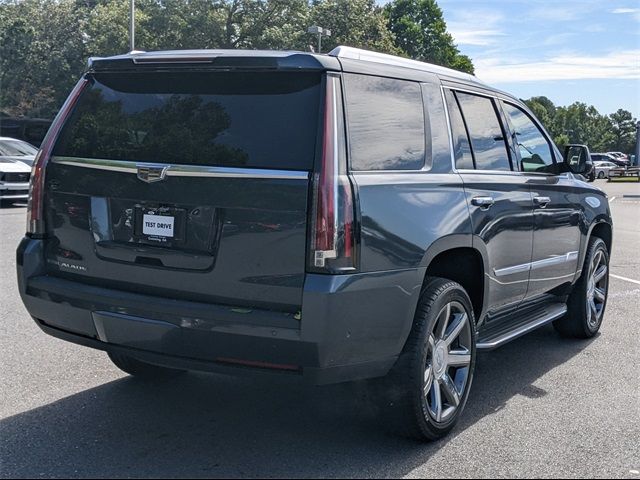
215 426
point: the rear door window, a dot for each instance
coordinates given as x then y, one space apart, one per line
485 131
257 120
386 123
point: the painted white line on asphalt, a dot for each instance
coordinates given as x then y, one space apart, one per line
625 279
612 199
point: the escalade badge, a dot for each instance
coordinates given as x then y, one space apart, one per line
152 173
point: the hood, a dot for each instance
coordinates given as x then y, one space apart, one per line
12 164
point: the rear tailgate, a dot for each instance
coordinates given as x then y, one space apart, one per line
188 185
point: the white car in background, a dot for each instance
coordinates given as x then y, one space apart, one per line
14 180
19 150
601 168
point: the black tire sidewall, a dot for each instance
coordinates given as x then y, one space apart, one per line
453 292
578 300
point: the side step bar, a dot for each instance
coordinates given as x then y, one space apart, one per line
496 336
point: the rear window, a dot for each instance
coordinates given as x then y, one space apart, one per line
255 120
386 123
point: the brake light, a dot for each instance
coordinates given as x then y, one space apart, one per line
332 231
35 209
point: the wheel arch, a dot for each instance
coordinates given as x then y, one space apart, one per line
457 258
601 228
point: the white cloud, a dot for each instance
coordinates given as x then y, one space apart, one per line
476 27
635 12
475 37
615 65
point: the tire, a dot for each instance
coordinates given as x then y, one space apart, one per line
408 404
601 175
588 299
141 369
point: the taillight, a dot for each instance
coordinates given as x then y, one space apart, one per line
35 209
332 230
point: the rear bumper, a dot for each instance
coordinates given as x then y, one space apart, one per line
351 326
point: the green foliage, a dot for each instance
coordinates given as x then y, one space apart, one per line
583 124
421 32
357 23
41 55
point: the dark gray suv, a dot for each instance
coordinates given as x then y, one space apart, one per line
319 217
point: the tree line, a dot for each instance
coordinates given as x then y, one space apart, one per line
582 123
45 44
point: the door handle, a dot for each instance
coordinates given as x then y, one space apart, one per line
482 202
541 201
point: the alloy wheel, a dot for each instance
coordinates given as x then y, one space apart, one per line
597 289
446 373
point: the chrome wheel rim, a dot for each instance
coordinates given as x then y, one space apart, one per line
597 289
446 373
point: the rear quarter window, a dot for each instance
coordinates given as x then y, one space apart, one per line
386 123
256 120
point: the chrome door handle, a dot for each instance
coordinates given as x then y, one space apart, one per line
541 201
482 202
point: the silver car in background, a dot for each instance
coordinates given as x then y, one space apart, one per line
601 168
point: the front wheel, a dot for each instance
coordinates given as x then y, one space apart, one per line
600 174
588 299
426 391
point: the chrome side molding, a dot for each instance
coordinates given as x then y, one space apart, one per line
547 262
174 170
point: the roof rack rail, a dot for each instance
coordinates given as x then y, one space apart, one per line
369 56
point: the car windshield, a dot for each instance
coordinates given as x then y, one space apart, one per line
16 148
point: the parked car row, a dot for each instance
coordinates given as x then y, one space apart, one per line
16 159
617 158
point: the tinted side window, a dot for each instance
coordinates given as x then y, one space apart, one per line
386 123
535 152
487 139
461 147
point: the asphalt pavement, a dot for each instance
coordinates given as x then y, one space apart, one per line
540 406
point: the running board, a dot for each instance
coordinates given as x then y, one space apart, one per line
496 336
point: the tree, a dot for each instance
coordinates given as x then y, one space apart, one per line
583 123
41 55
357 23
421 32
624 131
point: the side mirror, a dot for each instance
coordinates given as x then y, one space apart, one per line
577 159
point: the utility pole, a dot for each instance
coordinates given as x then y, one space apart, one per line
132 25
315 30
636 161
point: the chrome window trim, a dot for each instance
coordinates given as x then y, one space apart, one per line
547 262
175 170
448 119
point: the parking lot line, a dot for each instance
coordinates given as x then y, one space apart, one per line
625 279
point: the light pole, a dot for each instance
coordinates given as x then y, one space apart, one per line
636 161
132 25
315 30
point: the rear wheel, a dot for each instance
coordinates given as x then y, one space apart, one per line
600 174
588 299
426 391
141 369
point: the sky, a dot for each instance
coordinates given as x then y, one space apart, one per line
567 50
